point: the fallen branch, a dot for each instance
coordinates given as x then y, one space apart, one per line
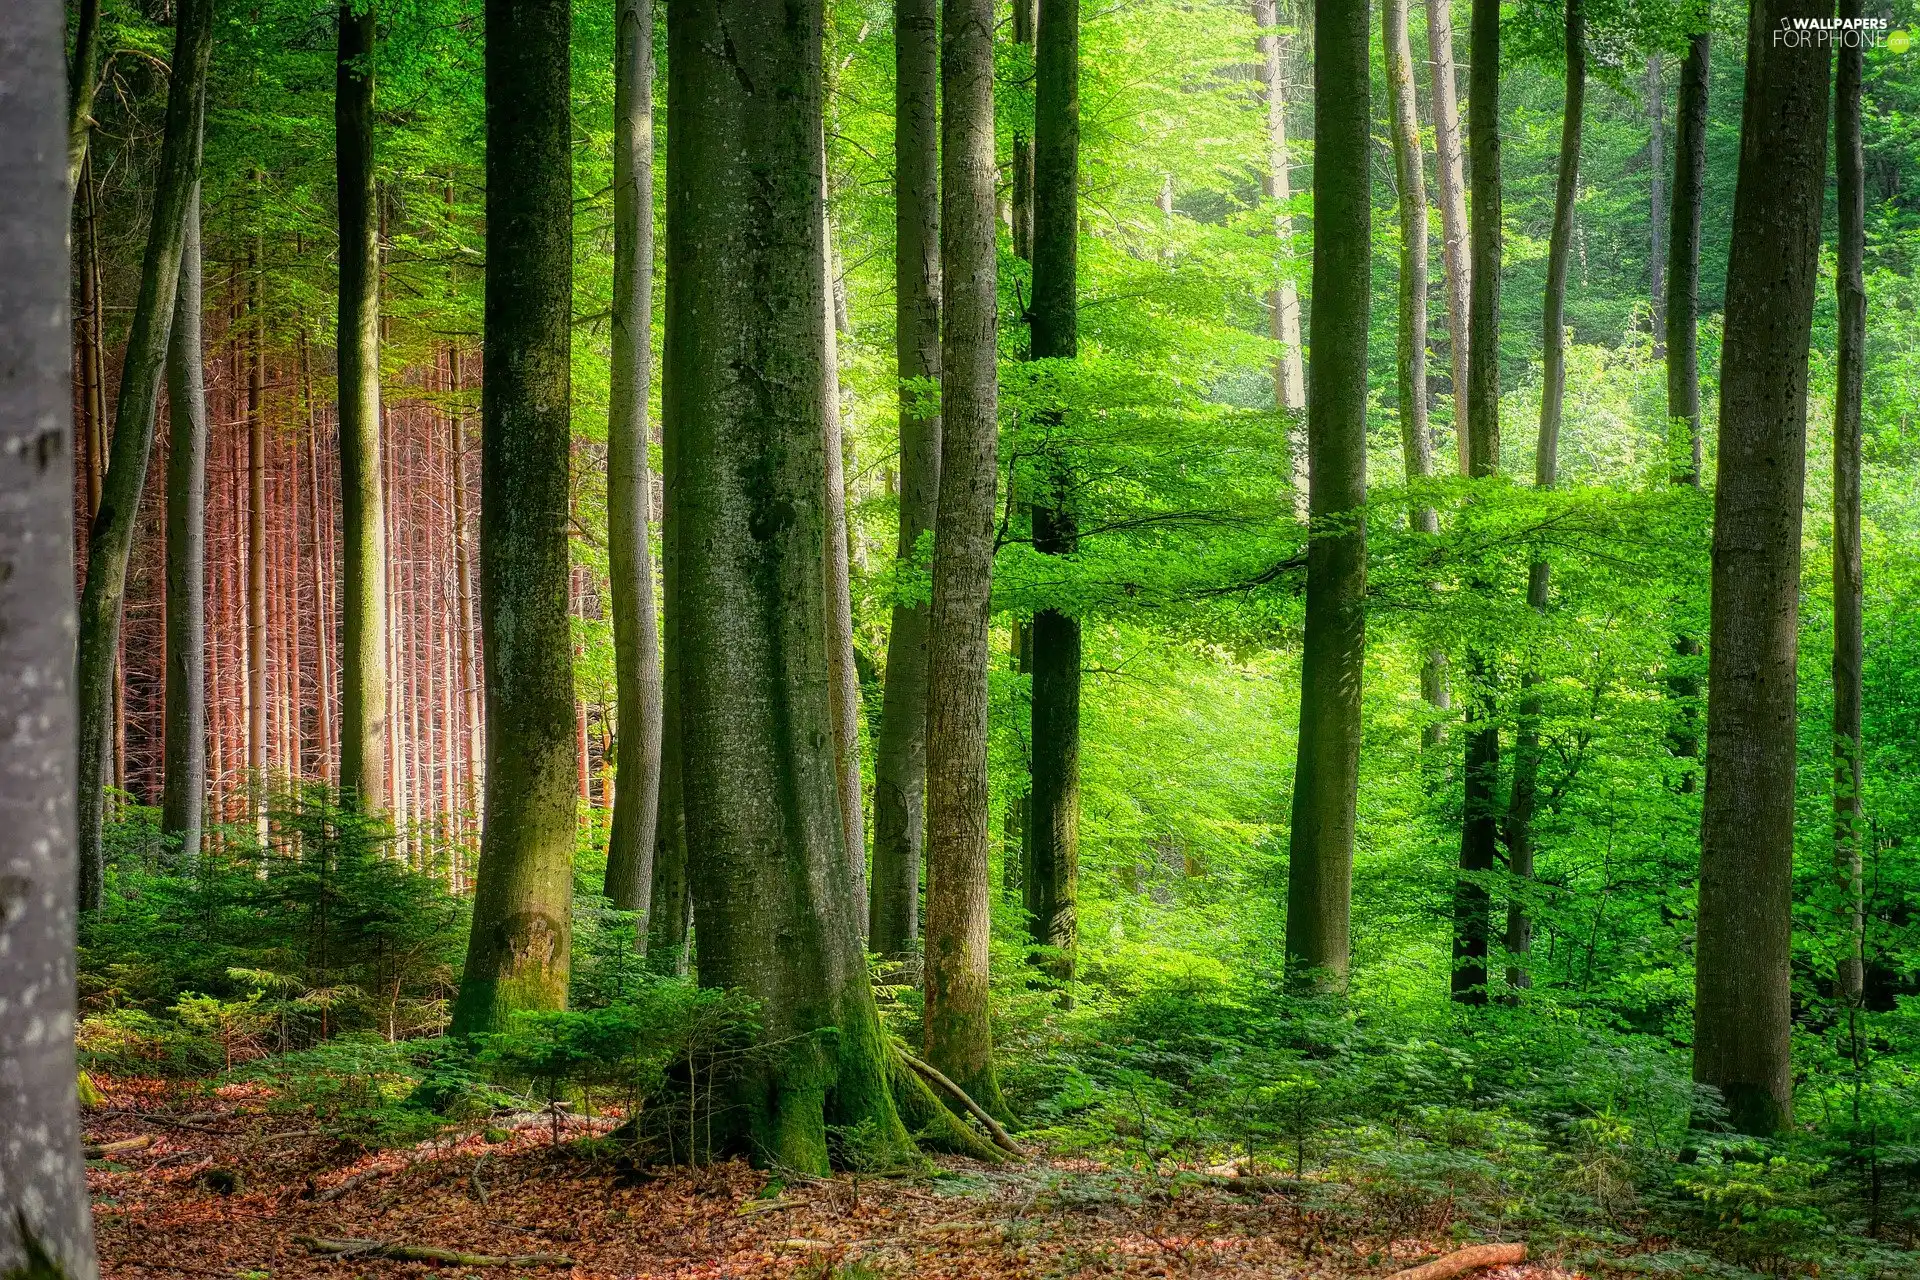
101 1150
927 1072
427 1253
1262 1184
1461 1261
339 1189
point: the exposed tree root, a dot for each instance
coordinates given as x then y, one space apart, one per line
1001 1138
427 1253
1461 1261
932 1123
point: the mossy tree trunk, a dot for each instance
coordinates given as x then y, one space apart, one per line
1742 982
636 639
1327 773
745 377
363 535
958 1029
43 1181
1849 816
519 950
111 538
185 784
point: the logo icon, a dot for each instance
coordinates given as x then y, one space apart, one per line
1899 41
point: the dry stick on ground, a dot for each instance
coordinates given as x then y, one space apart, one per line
1461 1261
1001 1138
97 1151
428 1253
341 1188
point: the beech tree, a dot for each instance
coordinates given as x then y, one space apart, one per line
1450 180
900 752
1742 983
636 639
46 1220
1327 773
518 954
1050 878
959 1037
111 537
1849 815
183 802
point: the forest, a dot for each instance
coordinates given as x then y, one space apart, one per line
866 638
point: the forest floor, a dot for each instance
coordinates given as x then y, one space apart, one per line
221 1187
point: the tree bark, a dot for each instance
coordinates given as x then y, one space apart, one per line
185 716
111 538
1683 256
363 645
83 79
257 589
900 755
1327 772
843 675
1546 461
1050 881
745 393
1450 176
473 748
1742 1015
1479 825
959 1038
1849 817
1283 300
322 602
636 639
518 955
670 918
1026 17
43 1186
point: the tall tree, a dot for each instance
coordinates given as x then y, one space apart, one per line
1479 825
363 532
959 1037
1849 817
900 754
1683 256
843 674
111 539
636 639
1523 794
46 1221
519 952
83 80
1026 17
772 892
1327 772
1657 197
1416 430
1283 300
257 593
670 903
1050 879
1450 176
185 783
1742 987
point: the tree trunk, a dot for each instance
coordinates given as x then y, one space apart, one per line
1327 773
257 670
636 638
1657 199
1026 17
472 748
1283 300
1849 818
186 682
1450 176
1479 825
111 538
83 79
363 643
1546 462
1416 438
843 675
772 892
670 919
518 955
1683 257
959 1037
93 390
43 1183
1051 876
322 605
1742 1015
900 755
